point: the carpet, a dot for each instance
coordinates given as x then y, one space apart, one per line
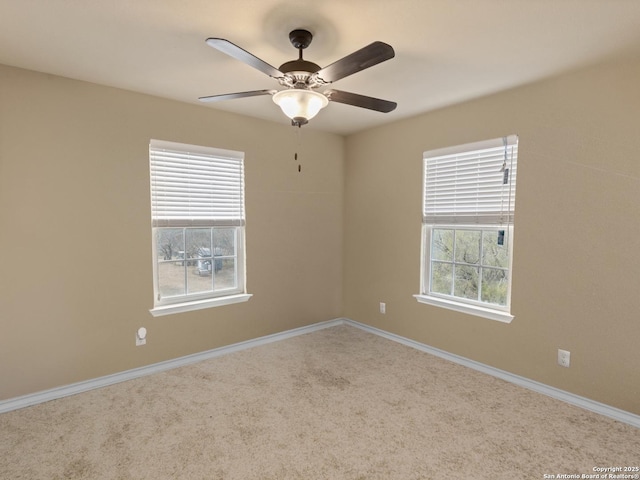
338 403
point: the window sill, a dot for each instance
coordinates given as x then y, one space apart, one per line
489 313
199 304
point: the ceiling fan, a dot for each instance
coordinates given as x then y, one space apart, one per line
299 100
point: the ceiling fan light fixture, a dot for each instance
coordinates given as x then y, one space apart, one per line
299 101
300 105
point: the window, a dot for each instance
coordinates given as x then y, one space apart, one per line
467 232
197 213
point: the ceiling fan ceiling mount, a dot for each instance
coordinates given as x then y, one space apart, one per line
300 38
301 76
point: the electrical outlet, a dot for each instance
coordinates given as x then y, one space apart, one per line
564 358
141 336
383 308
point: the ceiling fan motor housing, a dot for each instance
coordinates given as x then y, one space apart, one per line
299 65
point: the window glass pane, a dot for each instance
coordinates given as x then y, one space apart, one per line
494 286
441 277
442 244
170 243
493 254
198 246
199 280
171 279
468 246
225 258
466 282
170 269
226 276
224 240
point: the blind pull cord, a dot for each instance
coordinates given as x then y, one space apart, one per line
298 135
505 181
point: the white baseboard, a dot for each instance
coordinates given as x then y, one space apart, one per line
74 388
67 390
582 402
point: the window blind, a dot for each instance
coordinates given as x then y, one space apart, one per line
471 184
195 186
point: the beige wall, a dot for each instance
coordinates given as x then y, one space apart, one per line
75 235
76 241
576 278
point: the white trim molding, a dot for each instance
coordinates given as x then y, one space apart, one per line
74 388
64 391
199 304
477 310
576 400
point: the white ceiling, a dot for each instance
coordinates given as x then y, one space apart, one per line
447 51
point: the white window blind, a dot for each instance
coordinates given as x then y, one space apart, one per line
471 184
195 186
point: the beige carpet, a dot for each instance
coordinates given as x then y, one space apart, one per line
334 404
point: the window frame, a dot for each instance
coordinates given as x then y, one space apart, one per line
210 298
451 302
488 310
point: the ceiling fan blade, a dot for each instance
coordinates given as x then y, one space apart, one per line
225 46
348 98
366 57
231 96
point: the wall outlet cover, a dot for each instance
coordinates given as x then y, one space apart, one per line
564 358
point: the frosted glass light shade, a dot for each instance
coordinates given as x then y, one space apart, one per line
300 105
